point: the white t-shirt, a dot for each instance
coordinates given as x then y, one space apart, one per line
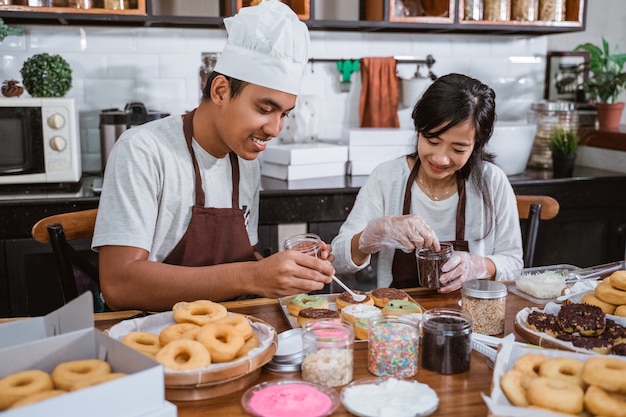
383 193
149 189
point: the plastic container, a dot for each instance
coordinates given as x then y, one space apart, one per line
525 10
548 115
486 302
429 265
393 347
552 10
497 10
307 243
446 341
328 353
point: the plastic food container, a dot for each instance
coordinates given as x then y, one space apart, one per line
446 340
328 354
486 302
307 243
429 264
541 284
393 347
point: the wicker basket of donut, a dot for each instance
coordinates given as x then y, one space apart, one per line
205 351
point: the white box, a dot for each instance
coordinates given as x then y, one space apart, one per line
362 167
298 172
75 315
378 153
141 392
382 137
305 153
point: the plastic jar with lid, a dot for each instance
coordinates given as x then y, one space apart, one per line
525 10
497 10
429 264
473 10
548 115
552 10
393 347
486 302
116 4
307 243
209 59
328 353
446 340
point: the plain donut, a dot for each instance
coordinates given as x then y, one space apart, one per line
600 402
529 363
144 342
221 340
183 355
67 374
567 369
177 331
19 385
618 279
555 394
606 373
199 312
240 323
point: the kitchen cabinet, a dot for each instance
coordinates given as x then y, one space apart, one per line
441 16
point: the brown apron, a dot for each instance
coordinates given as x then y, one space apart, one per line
214 235
404 266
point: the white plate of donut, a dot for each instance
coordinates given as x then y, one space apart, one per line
510 353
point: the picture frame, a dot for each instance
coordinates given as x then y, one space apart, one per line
565 72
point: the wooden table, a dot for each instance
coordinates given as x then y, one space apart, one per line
459 394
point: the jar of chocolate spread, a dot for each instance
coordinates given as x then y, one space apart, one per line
429 263
446 340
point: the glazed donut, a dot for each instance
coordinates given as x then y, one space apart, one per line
382 296
19 385
66 374
585 319
606 292
620 311
618 279
144 342
345 299
354 312
183 355
599 402
361 329
199 312
249 344
310 314
591 299
514 384
302 301
555 394
95 380
221 340
529 363
401 307
177 331
40 396
566 369
240 323
606 373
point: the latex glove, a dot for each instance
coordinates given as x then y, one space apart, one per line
462 267
407 232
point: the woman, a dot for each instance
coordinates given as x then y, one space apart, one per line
448 190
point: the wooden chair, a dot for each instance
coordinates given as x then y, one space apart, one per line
77 274
534 208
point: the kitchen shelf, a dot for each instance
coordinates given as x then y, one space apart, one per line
437 16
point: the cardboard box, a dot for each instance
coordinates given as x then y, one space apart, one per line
381 137
378 153
75 315
363 167
305 153
298 172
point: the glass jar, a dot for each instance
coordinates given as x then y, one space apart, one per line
328 356
393 347
525 10
548 115
486 302
446 340
473 10
497 10
81 4
429 264
552 10
116 4
209 59
307 243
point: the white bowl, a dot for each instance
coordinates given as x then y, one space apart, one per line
512 142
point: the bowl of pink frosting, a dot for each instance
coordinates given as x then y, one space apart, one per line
290 398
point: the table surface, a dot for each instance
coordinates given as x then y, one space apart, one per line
459 394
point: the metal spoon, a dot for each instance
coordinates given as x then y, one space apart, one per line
356 297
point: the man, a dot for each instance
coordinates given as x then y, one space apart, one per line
178 214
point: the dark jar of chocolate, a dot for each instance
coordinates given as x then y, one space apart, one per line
429 263
446 340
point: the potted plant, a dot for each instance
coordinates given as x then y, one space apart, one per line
564 145
6 30
606 82
45 75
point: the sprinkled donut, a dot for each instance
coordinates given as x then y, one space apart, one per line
199 312
585 319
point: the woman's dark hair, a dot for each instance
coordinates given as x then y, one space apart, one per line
235 85
453 99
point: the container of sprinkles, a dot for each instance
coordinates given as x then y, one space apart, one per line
393 347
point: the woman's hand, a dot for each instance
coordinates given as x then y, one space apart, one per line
462 267
408 232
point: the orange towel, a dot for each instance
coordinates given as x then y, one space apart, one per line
379 93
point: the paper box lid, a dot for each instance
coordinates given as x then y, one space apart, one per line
373 136
75 315
141 391
305 153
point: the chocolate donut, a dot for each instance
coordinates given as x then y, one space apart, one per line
311 314
544 323
383 295
585 319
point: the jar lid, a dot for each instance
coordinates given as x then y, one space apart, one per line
289 348
481 288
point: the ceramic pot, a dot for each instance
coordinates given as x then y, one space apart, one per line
563 165
609 115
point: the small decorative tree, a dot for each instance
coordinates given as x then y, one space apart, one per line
45 75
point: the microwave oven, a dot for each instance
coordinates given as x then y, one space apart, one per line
39 141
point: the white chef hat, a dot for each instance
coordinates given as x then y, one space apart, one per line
267 45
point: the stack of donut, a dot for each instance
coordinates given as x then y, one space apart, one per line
204 333
568 385
33 385
610 294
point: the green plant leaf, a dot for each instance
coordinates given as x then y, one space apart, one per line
45 75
